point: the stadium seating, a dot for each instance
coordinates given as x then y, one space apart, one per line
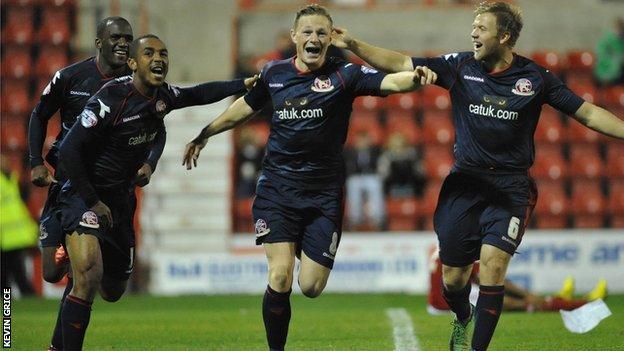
615 160
438 128
402 213
14 134
16 62
585 161
19 26
616 203
438 161
51 59
549 163
434 97
549 60
552 208
368 103
15 97
588 204
243 217
365 122
549 128
613 97
37 200
578 133
399 121
585 90
407 101
54 28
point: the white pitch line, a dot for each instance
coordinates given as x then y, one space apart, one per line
403 330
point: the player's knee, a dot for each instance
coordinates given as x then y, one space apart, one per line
88 276
311 289
280 279
492 270
454 284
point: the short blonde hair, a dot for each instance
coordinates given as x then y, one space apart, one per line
313 9
508 18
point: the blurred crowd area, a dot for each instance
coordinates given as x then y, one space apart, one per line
399 149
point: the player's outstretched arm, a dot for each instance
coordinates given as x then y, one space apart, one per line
236 114
406 81
600 120
380 58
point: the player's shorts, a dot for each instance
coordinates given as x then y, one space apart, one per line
310 218
116 243
50 231
482 208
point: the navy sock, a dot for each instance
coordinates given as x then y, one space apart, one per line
57 335
459 301
276 315
489 307
75 316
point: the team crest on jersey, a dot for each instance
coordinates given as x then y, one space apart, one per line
322 84
90 220
262 228
368 70
160 106
88 119
523 87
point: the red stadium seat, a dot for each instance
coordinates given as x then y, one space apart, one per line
585 161
549 60
438 161
429 202
16 160
36 200
15 98
14 134
578 133
438 128
54 27
50 60
56 3
587 91
16 62
615 160
550 127
580 61
616 197
19 27
552 206
613 96
434 97
406 101
588 204
403 122
365 121
549 163
402 213
368 103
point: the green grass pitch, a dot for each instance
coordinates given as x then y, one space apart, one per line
330 322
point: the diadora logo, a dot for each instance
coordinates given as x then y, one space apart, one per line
299 114
131 118
523 87
276 85
322 84
81 93
476 79
491 111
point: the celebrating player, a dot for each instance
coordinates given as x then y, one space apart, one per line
69 91
486 201
298 205
101 156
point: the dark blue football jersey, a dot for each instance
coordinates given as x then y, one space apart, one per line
68 91
117 128
310 118
495 115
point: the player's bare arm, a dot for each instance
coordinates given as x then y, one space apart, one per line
236 114
380 58
408 81
600 120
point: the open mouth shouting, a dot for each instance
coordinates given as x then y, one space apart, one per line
312 51
476 45
158 72
121 53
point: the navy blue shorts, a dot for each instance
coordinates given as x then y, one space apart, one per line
50 231
475 209
310 218
116 243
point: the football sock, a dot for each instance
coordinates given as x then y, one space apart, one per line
487 312
57 335
459 301
276 315
75 316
